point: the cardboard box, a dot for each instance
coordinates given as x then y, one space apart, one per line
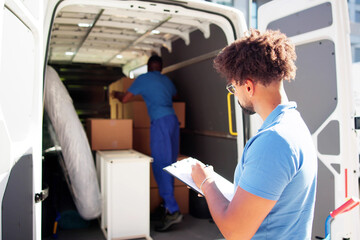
141 140
181 194
116 110
177 182
110 134
137 111
179 108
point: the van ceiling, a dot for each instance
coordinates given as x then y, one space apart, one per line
119 35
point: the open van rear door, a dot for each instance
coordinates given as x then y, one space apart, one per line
21 72
322 90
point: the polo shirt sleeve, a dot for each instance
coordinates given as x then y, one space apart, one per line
136 87
268 167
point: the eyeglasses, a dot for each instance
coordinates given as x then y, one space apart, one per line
231 88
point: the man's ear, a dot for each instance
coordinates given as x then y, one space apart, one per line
250 87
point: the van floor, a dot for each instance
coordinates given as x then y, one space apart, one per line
190 228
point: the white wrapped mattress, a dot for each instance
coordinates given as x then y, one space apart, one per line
75 147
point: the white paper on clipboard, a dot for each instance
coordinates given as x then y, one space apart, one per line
182 171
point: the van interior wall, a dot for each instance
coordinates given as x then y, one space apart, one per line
206 135
87 85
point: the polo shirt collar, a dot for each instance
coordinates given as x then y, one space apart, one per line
276 112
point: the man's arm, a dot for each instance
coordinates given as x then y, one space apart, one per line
127 97
122 97
238 219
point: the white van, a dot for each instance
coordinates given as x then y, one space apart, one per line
187 34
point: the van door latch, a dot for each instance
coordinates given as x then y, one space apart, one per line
39 197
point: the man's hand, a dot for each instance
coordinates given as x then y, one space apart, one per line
118 95
200 172
245 209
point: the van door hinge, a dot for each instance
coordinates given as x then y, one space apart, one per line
39 197
357 123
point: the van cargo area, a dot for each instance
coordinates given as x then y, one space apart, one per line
93 50
187 59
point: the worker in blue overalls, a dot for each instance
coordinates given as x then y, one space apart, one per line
157 91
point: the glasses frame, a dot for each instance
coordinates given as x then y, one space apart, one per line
231 88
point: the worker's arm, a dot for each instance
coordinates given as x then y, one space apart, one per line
122 97
238 219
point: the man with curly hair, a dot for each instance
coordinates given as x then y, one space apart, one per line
275 181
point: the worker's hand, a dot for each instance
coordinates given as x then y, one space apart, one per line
116 94
200 172
112 94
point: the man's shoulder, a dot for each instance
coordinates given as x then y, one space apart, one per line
151 75
141 76
270 137
269 143
142 79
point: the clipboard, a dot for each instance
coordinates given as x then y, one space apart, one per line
182 171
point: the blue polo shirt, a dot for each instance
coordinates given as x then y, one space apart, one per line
280 163
157 91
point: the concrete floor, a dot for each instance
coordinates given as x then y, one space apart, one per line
190 228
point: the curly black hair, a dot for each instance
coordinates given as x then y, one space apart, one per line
260 57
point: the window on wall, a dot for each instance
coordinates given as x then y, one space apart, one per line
254 9
136 72
357 55
224 2
357 16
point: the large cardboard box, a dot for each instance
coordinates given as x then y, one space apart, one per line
110 134
179 108
177 182
137 111
141 140
181 194
116 110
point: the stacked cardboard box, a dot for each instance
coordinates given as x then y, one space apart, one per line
109 134
181 193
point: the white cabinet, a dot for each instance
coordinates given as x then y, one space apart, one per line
124 179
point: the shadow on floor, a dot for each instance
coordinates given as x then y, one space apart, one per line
190 229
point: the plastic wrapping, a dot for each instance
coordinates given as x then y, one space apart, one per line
75 147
